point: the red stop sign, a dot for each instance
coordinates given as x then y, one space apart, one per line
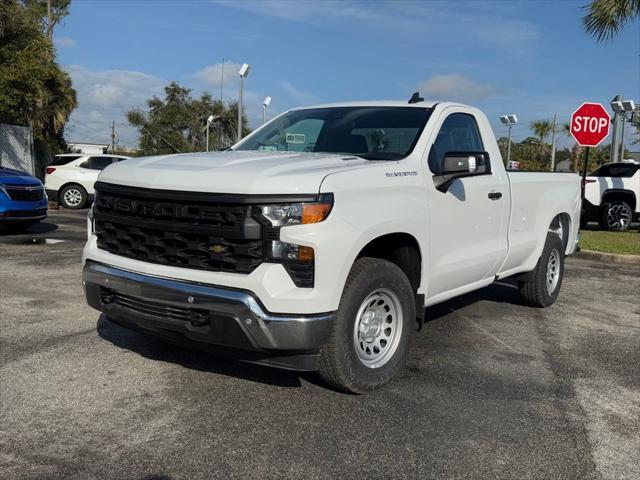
590 124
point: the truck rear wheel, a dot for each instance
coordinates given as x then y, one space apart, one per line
372 330
542 285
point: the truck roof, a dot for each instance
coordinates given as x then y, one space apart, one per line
377 103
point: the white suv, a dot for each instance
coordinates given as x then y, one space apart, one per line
611 195
70 177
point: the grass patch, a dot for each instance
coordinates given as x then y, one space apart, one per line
623 243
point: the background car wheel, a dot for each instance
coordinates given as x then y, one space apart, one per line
73 197
372 330
616 216
542 285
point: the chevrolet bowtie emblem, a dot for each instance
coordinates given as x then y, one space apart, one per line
217 248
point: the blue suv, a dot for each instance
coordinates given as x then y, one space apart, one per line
23 200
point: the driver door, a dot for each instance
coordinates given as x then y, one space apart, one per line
469 221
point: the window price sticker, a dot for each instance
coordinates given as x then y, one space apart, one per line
295 138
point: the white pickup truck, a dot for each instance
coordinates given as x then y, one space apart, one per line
317 242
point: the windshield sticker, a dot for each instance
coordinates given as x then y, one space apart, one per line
295 137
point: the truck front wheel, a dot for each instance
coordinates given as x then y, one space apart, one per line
372 330
540 287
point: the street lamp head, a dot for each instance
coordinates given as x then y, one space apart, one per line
512 118
504 119
617 107
210 119
628 106
244 70
266 101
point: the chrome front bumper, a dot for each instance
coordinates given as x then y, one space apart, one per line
203 314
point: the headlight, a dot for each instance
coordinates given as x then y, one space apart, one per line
298 213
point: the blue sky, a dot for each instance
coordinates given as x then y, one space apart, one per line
530 58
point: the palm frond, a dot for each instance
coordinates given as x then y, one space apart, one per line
606 18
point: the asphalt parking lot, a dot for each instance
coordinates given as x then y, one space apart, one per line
492 389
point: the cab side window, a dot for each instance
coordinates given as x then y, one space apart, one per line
459 133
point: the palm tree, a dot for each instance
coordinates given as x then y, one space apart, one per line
605 18
542 129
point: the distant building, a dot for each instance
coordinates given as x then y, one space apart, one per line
87 148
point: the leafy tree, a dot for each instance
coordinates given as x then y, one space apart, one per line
177 123
606 18
50 13
34 90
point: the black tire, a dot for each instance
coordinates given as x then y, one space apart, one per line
534 289
73 188
612 213
339 364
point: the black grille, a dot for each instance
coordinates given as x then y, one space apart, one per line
192 230
215 232
25 193
302 273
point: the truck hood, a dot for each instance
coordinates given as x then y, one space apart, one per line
246 172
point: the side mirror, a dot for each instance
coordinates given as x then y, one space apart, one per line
461 164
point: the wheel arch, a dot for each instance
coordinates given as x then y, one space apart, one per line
620 194
401 249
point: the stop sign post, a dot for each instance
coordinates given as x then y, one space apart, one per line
589 126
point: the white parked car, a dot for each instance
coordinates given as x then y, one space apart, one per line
316 242
70 177
611 195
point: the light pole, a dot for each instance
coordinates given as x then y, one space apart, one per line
628 106
244 71
209 120
509 120
618 123
265 104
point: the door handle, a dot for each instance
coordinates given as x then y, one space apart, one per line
495 195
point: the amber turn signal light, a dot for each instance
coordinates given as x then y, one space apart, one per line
315 212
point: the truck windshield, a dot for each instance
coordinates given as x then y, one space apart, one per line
374 133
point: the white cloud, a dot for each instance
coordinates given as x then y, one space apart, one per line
462 23
65 42
455 87
105 96
212 75
298 96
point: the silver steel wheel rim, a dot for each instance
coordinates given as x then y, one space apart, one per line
72 197
378 328
553 271
618 217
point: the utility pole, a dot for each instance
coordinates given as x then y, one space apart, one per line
553 144
113 137
221 105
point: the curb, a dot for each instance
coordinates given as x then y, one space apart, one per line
608 257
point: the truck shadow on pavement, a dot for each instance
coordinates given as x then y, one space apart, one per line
211 361
154 348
